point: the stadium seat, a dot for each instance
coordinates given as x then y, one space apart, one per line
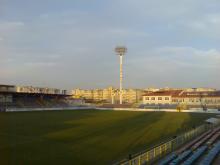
191 143
213 139
199 143
195 155
168 159
181 157
211 155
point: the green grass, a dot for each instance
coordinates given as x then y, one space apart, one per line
85 136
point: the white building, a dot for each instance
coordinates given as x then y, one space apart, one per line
160 97
181 97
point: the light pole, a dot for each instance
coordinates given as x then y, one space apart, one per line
121 50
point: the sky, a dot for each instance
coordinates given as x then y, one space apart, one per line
70 43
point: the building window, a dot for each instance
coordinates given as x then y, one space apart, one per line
152 98
175 100
159 98
167 98
146 98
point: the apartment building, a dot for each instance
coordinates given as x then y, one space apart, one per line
110 95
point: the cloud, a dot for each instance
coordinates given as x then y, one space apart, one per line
165 39
10 25
175 66
190 56
6 60
40 64
205 26
9 32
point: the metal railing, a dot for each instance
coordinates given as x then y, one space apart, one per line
150 156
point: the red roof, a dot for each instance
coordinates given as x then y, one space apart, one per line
164 93
183 94
199 94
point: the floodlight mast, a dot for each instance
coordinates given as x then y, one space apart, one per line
121 50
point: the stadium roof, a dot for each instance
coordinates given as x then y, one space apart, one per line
33 94
3 85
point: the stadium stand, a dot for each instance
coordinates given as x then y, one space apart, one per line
190 144
14 97
195 155
168 159
181 157
199 143
116 106
211 155
190 153
185 153
213 139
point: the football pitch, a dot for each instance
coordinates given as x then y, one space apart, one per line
85 136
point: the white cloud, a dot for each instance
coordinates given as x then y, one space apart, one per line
40 64
11 25
70 37
9 30
6 60
175 66
191 56
173 60
206 25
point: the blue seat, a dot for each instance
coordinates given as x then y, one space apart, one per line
195 155
181 157
168 159
211 155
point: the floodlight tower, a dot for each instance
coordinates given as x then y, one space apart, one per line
121 50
